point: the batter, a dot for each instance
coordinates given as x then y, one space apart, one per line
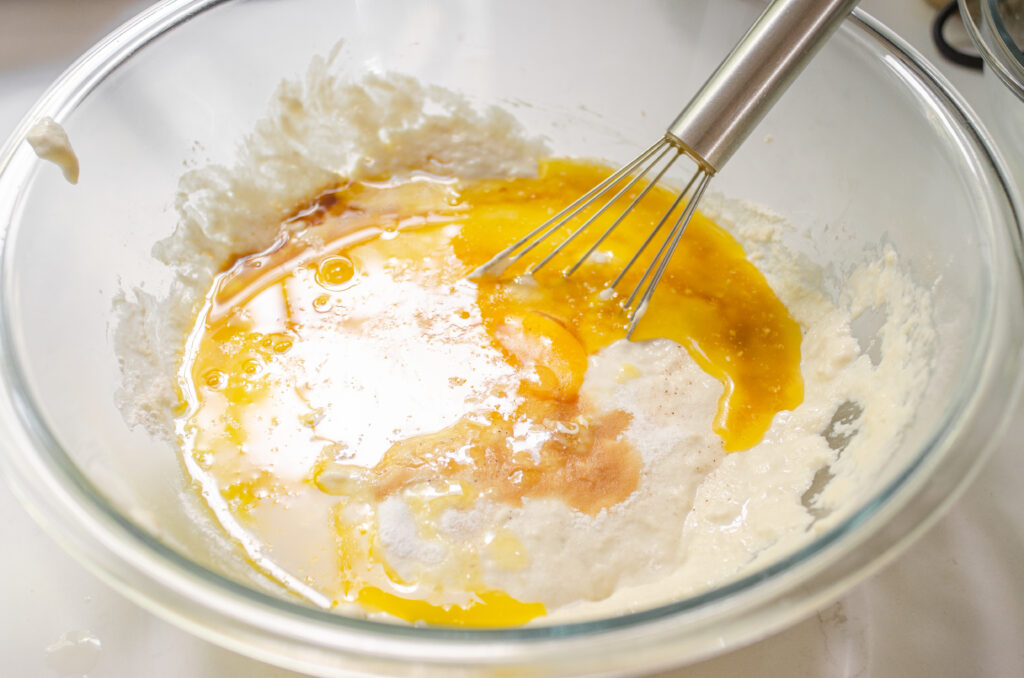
383 437
354 370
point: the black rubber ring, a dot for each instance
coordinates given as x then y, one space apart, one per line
972 61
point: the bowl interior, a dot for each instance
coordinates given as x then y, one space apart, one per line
858 154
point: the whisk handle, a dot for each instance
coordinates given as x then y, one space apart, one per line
757 71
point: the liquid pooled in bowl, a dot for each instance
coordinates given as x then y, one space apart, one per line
380 436
385 433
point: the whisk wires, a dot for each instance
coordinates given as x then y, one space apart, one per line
655 162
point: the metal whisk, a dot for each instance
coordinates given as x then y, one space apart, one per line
708 131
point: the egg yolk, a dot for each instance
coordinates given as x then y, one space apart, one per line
355 361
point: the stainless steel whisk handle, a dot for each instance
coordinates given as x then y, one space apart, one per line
757 71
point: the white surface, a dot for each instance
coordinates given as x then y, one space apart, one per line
953 605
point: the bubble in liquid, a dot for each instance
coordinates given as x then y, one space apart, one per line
214 379
335 271
322 303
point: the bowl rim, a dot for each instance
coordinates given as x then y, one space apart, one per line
984 22
129 558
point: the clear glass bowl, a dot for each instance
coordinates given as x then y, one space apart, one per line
997 28
869 146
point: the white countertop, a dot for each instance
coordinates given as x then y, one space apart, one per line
952 605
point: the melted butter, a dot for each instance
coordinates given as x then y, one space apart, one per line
359 545
354 362
506 548
711 300
491 608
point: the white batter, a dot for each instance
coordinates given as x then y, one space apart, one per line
700 517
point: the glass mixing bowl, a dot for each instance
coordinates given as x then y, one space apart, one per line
869 146
997 28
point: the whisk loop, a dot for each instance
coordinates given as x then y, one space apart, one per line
708 130
655 161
